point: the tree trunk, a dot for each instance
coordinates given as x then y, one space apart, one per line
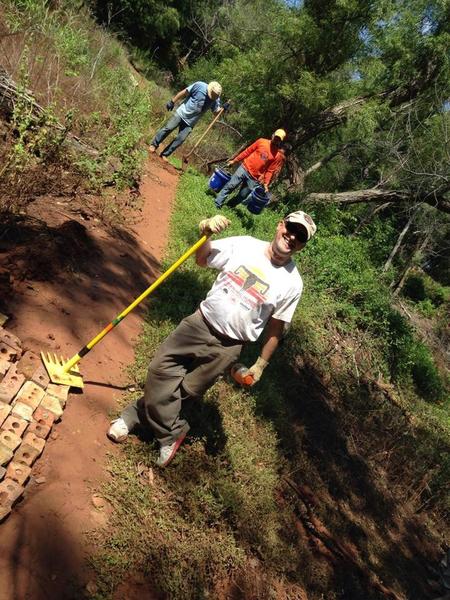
398 243
379 195
420 245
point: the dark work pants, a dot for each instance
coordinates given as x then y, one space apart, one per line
185 365
183 131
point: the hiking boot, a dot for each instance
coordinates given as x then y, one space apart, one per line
152 149
166 453
118 432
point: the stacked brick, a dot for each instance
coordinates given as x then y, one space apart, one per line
29 406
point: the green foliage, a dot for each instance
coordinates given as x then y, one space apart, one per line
130 110
437 294
425 375
421 288
342 268
72 41
89 91
426 308
414 288
155 26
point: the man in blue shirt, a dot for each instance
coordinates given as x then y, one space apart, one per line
199 97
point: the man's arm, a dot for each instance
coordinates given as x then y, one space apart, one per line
273 334
244 153
181 94
273 169
201 256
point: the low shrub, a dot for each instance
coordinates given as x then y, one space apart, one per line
414 288
425 374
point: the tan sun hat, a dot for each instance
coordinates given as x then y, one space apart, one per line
280 133
301 218
214 87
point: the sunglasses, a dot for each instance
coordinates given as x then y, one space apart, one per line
299 231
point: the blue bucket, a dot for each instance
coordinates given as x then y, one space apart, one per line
218 179
257 200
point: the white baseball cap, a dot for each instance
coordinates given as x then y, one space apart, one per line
301 218
214 86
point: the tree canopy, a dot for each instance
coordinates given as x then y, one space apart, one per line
362 87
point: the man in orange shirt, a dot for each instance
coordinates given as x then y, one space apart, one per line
261 161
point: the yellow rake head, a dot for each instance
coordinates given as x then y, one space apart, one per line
61 371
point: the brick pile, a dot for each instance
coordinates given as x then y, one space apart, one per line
29 406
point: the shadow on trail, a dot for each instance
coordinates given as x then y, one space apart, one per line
46 562
95 277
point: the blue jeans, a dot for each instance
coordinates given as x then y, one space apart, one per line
183 131
240 177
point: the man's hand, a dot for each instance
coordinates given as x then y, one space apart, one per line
266 188
229 163
170 105
215 224
257 369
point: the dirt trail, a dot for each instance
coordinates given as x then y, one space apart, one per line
43 544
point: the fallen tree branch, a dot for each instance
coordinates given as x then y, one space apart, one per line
381 195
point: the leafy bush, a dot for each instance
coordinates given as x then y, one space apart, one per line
425 374
415 288
437 293
426 308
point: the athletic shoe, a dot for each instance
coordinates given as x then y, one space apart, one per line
152 149
118 432
166 453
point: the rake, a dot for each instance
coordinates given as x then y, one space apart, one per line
186 156
66 372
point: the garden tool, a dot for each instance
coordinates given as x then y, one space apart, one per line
65 372
186 157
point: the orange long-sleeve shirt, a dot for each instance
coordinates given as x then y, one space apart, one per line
262 160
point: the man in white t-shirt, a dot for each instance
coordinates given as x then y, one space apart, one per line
257 288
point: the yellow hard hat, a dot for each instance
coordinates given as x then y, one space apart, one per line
280 133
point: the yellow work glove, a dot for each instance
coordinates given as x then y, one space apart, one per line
215 224
257 369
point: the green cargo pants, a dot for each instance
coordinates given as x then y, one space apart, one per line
186 364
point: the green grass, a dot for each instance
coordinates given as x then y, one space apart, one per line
82 78
220 504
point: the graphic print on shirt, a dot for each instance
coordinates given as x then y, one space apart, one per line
245 287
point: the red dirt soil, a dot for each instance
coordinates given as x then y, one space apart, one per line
43 543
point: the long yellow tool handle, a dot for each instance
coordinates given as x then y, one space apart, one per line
203 134
75 359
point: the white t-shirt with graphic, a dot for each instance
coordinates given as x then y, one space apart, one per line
249 289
